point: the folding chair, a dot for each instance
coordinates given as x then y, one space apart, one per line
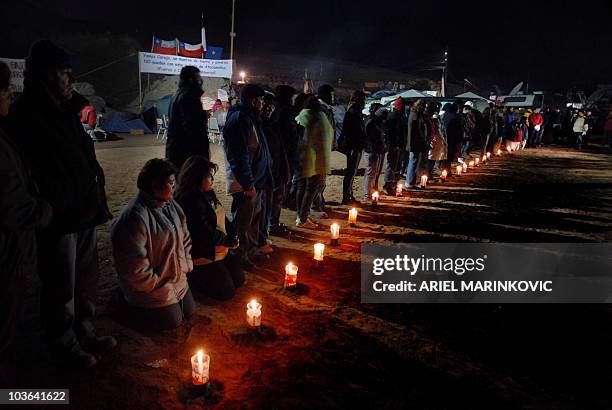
162 127
213 130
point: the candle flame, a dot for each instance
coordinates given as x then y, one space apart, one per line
252 304
200 355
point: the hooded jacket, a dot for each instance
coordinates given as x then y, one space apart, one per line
152 252
397 129
315 145
247 156
376 135
61 157
187 126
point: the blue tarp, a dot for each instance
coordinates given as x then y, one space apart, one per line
121 122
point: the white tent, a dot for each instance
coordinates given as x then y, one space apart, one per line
404 94
470 95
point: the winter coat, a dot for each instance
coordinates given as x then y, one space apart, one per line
579 124
353 135
376 135
151 251
208 225
396 129
247 156
536 119
21 212
61 157
452 125
187 126
283 119
468 122
315 144
417 133
278 155
437 139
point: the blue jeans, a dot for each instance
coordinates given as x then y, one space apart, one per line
247 215
374 164
415 164
393 167
352 163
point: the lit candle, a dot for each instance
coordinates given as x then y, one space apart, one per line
488 155
484 159
335 233
499 152
352 219
423 181
477 161
200 364
291 272
319 250
465 167
459 169
509 148
375 197
253 314
399 189
444 174
472 164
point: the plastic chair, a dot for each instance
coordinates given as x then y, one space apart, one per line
162 127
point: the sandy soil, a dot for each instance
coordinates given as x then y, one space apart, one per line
322 348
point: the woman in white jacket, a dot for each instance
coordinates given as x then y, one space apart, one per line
151 250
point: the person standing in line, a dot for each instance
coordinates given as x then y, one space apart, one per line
579 127
187 120
22 211
437 142
416 145
536 129
315 151
454 133
351 143
45 124
396 126
248 168
375 149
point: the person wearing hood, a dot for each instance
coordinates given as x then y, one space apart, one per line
22 211
248 169
416 145
396 126
152 251
351 142
375 148
187 120
314 151
45 124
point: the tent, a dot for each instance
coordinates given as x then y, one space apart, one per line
161 105
404 94
124 122
480 103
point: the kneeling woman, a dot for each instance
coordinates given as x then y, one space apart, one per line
217 265
151 249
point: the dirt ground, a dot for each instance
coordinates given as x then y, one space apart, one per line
321 348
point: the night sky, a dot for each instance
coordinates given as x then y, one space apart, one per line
554 45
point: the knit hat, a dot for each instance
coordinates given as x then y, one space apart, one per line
44 55
399 104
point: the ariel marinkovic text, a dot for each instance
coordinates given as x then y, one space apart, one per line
465 286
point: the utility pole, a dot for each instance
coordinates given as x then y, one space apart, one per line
444 72
232 33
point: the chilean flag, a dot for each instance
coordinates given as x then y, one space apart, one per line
190 50
163 46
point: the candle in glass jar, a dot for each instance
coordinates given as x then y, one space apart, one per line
200 365
291 272
335 233
319 251
459 169
465 166
399 189
444 174
352 219
499 152
488 155
253 314
472 164
375 197
508 148
423 181
484 159
477 161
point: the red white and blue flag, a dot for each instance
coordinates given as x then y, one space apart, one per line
164 46
190 50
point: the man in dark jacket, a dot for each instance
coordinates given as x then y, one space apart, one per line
248 168
396 134
351 143
44 123
283 134
454 133
21 212
188 126
416 144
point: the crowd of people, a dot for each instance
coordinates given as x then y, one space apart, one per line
175 235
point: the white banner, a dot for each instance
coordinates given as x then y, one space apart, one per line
172 65
17 67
